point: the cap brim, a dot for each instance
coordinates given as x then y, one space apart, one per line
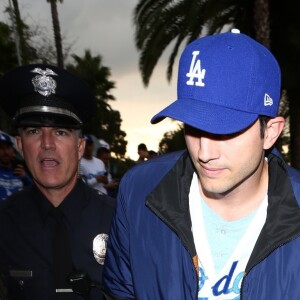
206 116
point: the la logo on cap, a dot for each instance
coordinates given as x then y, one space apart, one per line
196 72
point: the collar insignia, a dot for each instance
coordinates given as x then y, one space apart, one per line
43 83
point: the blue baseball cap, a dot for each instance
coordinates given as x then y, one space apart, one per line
225 81
5 138
88 138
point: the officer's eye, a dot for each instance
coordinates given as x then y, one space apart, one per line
62 132
31 131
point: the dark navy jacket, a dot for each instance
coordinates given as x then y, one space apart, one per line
151 248
26 231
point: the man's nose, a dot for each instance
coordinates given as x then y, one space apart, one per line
48 140
208 149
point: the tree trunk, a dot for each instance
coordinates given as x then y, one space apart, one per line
18 31
57 35
262 22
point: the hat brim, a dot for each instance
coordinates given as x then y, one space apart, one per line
207 116
46 120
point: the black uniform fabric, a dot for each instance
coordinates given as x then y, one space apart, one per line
26 239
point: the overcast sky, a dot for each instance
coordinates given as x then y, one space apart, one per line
106 28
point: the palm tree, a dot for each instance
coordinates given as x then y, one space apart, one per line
262 22
91 69
22 35
163 23
18 26
106 122
57 34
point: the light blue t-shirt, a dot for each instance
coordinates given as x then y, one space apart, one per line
222 232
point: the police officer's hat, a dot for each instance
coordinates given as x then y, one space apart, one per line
45 95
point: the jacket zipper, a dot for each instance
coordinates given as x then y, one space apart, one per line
263 258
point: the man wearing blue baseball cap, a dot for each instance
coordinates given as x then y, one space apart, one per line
13 173
91 168
222 219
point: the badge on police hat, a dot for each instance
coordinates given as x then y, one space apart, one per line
46 95
99 247
43 83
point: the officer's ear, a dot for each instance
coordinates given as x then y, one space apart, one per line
273 130
81 146
19 144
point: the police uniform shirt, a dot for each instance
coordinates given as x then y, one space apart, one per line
26 234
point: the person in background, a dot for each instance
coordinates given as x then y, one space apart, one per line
152 154
222 219
92 169
104 154
142 152
13 175
53 234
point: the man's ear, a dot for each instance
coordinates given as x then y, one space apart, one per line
81 146
19 144
273 130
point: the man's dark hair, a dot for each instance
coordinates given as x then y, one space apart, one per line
142 147
102 150
263 120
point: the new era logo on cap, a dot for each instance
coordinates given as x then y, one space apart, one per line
268 100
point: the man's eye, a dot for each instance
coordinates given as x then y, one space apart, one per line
32 131
62 132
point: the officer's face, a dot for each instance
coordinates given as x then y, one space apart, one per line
52 156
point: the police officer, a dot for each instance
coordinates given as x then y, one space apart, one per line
53 234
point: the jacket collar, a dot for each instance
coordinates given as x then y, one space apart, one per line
283 214
169 200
